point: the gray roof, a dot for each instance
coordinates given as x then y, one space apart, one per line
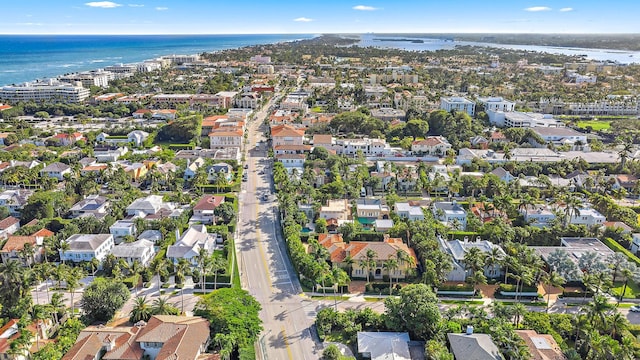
448 206
90 203
458 248
57 167
473 347
384 345
134 249
83 242
193 239
152 235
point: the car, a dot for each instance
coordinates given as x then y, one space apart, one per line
246 166
261 172
635 308
265 197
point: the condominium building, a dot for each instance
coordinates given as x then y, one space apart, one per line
458 104
497 104
50 91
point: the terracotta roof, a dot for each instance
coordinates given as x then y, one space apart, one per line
4 342
43 233
286 130
8 222
496 135
181 336
293 147
431 141
215 133
16 243
357 249
97 167
624 178
322 139
209 202
541 346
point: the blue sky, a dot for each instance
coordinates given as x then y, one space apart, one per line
312 16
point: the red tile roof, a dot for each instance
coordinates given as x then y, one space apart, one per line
8 222
16 243
286 131
209 202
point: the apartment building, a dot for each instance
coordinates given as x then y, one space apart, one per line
45 92
458 104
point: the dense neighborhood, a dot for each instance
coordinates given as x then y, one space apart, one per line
462 204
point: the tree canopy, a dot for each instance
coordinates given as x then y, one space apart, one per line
103 297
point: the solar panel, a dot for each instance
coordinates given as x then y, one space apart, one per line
540 343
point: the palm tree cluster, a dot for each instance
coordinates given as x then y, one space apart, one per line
142 310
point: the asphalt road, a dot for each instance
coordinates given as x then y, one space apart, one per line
265 269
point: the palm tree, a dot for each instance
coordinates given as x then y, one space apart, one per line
597 311
202 258
494 257
159 266
617 324
370 261
573 204
552 279
390 265
474 259
141 310
57 305
216 265
39 314
73 282
518 311
476 278
629 271
26 253
348 260
64 247
161 306
226 343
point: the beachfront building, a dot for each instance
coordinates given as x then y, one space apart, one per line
50 91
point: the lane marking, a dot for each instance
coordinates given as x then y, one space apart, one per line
286 342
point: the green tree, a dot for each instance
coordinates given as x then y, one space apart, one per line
103 297
415 311
225 212
233 312
140 311
161 306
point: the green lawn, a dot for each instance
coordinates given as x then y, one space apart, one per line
463 302
596 125
316 109
632 291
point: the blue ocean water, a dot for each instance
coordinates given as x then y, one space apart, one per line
29 57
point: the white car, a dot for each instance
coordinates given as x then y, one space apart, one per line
635 308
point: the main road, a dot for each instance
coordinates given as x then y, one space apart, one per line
265 269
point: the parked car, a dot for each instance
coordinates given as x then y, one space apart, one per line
265 197
635 308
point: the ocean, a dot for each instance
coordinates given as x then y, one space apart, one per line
30 57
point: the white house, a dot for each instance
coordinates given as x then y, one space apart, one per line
93 205
8 226
538 215
84 247
587 216
56 170
122 228
192 168
137 137
432 145
449 212
457 249
150 205
14 200
141 251
409 210
458 104
188 246
220 169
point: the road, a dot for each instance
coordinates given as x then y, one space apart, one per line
265 269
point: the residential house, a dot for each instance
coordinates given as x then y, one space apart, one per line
357 250
560 136
84 247
122 228
67 139
457 249
137 137
189 244
136 170
292 162
575 247
220 169
336 209
93 205
108 154
487 214
225 138
94 169
8 226
470 346
203 211
384 345
324 141
366 146
13 247
382 225
150 205
503 174
14 200
10 332
618 226
635 243
163 337
450 213
56 170
627 182
432 145
538 215
541 346
586 216
370 210
192 168
479 142
286 135
3 137
141 251
409 210
152 235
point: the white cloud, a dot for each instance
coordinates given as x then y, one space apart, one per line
364 8
567 9
537 8
303 19
136 5
103 4
30 24
162 8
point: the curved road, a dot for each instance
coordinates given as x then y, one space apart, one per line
265 269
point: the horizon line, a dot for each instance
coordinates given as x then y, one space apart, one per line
322 33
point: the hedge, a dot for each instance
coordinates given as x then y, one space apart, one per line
462 287
189 146
512 288
615 246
